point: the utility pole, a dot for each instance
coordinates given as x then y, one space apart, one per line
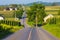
36 19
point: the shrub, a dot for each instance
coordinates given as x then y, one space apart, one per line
52 21
11 23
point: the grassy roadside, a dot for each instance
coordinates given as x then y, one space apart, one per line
6 30
54 29
30 23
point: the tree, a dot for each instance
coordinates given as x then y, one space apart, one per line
18 13
36 10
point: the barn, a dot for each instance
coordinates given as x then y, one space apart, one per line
48 17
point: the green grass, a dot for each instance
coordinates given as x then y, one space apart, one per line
54 29
31 24
6 30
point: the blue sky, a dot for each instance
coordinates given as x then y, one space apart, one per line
6 2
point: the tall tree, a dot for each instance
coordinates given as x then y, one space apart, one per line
18 13
37 11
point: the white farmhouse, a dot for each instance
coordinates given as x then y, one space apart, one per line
48 17
16 9
10 9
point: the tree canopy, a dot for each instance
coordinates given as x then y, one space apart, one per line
36 10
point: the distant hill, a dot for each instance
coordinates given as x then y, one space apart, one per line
45 3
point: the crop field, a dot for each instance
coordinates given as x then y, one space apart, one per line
52 9
7 14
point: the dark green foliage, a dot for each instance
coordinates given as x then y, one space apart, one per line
4 32
36 10
11 23
18 13
52 21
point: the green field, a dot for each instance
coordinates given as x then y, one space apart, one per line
52 9
53 29
7 14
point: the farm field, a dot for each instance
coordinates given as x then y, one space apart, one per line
52 7
48 9
7 14
54 29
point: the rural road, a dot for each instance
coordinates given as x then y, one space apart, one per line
31 34
20 35
28 33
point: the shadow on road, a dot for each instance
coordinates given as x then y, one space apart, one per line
38 25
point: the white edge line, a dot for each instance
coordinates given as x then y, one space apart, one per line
30 34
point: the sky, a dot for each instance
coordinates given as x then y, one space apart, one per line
7 2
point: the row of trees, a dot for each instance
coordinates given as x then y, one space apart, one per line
11 23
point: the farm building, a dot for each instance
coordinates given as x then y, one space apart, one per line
10 9
48 17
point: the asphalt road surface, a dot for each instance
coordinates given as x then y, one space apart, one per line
31 34
20 35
